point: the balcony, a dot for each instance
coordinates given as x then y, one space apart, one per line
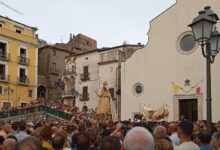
69 72
84 76
23 80
23 60
84 97
4 56
69 94
4 77
54 71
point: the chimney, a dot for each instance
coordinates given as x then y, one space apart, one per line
70 36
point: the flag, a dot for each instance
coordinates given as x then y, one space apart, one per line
175 87
198 90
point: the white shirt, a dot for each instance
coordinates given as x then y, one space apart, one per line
175 139
187 146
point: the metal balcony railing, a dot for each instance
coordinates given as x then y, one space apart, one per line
26 111
4 77
23 60
73 93
84 97
23 80
4 56
54 71
84 76
69 72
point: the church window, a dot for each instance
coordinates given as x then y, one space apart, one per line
187 42
138 89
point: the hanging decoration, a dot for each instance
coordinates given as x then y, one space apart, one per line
187 88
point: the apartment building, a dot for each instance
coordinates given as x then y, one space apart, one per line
18 63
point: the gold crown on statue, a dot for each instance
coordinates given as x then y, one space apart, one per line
105 83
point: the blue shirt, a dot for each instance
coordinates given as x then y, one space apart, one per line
205 148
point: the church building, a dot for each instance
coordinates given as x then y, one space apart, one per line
171 69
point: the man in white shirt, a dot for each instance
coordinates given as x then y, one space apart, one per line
185 129
22 131
173 134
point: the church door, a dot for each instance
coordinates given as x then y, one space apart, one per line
188 109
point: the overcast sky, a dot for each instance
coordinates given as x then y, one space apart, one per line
109 22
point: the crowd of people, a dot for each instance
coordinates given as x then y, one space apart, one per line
82 134
43 102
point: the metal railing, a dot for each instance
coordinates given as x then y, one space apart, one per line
27 111
23 80
4 56
84 76
23 60
4 77
84 97
73 93
69 72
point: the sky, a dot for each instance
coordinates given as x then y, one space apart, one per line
110 22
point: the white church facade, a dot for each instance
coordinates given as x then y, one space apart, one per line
171 69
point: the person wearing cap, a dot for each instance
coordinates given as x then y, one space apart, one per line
184 132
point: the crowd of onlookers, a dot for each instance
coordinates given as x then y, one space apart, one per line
43 102
36 105
81 134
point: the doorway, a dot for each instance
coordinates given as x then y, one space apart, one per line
188 109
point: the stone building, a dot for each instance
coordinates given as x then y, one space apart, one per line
171 69
86 72
52 64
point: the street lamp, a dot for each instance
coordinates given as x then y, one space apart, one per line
206 34
8 91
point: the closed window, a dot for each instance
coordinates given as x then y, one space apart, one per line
30 93
22 76
54 67
85 91
2 72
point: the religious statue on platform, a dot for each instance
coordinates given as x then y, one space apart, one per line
150 114
105 109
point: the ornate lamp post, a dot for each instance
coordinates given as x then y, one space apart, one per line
8 91
206 34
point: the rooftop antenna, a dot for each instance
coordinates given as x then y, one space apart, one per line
11 8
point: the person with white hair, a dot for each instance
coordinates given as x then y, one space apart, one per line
160 132
139 138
